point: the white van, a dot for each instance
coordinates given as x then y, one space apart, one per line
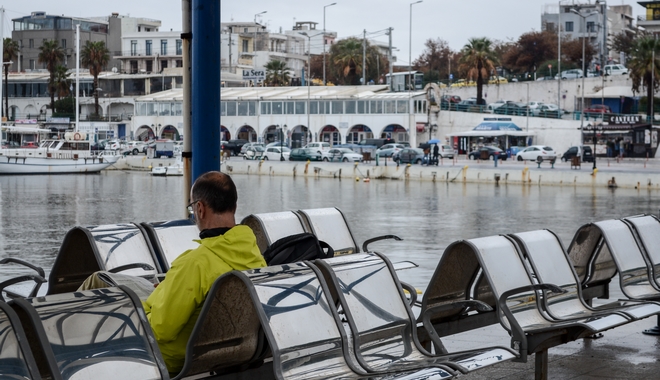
570 74
319 146
615 70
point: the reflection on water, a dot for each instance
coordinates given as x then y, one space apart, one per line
37 211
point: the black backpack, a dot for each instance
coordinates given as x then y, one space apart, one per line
294 248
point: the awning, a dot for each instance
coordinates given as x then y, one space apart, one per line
497 126
474 133
30 130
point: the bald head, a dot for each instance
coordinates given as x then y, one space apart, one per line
217 191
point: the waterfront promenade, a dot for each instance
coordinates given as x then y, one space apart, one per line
632 173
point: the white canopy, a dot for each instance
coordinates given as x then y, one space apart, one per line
30 130
612 92
473 133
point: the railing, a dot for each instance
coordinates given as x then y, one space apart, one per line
503 110
42 118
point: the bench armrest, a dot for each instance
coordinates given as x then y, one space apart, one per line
131 266
518 338
37 269
463 304
28 277
377 238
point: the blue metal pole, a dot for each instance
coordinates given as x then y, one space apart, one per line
205 87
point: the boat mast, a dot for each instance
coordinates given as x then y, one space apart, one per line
77 76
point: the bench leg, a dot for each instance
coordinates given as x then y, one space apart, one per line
541 365
653 331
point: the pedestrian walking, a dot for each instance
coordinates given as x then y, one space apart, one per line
436 153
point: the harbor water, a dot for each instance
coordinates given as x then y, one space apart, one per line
37 211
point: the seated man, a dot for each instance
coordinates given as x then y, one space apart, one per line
174 306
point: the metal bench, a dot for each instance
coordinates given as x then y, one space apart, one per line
552 265
330 226
170 239
16 360
303 328
270 227
383 326
85 250
500 273
99 334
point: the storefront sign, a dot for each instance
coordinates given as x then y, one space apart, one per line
625 119
58 120
25 121
254 74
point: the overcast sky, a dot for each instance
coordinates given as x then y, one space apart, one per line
454 21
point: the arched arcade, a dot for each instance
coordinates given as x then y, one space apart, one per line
358 133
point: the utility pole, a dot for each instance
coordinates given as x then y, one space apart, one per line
230 49
364 57
389 33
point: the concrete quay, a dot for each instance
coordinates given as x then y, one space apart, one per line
628 173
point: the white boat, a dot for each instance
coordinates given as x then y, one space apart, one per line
175 169
55 156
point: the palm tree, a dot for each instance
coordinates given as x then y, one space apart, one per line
62 81
51 54
277 74
95 56
346 55
479 61
9 52
643 70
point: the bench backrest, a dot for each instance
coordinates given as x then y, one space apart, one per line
551 265
631 263
170 239
86 250
452 281
374 305
99 334
227 335
648 230
300 322
591 257
272 226
16 360
330 225
505 270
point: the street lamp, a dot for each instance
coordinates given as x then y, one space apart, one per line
325 6
598 126
254 45
584 73
410 111
309 83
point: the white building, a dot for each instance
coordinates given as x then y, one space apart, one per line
150 52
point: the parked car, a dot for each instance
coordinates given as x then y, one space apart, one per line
375 142
276 153
245 146
342 154
547 110
454 99
445 151
234 146
304 154
136 147
164 148
388 150
468 105
615 70
512 108
114 145
583 151
570 74
492 152
497 80
537 153
254 153
276 143
409 156
495 105
319 146
597 109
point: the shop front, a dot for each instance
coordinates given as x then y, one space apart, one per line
622 136
501 133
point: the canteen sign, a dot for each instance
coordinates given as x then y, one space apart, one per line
254 74
625 119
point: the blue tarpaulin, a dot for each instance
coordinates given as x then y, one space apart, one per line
497 126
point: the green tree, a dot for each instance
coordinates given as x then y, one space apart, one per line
346 55
9 52
51 54
62 81
644 63
277 73
95 56
530 51
434 60
479 61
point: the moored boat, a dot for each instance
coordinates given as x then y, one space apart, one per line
70 155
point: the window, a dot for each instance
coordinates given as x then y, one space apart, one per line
591 27
245 46
390 106
31 43
265 108
148 48
231 108
363 106
134 67
314 107
242 108
163 64
350 106
376 106
337 107
179 49
133 47
401 106
277 108
150 66
163 47
300 108
550 26
63 43
289 108
179 63
569 26
32 64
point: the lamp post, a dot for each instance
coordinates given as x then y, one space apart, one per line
309 83
584 73
325 6
254 45
411 130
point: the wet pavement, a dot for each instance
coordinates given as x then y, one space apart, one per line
622 353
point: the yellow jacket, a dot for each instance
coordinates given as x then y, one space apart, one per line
174 306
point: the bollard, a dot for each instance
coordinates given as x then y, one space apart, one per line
306 166
495 159
377 160
497 179
434 174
